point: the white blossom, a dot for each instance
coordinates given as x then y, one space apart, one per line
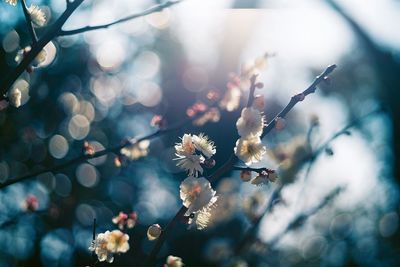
197 195
191 151
249 150
173 261
99 246
191 163
107 244
11 2
136 150
204 145
14 97
186 147
201 219
250 123
37 15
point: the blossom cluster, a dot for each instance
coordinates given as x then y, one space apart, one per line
125 220
250 125
109 243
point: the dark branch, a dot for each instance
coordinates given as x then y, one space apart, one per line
29 22
51 32
153 9
229 164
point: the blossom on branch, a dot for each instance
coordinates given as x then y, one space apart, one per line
107 244
250 123
37 15
250 150
198 197
123 219
136 150
192 152
153 232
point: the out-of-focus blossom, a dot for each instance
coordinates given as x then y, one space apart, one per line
249 150
191 152
14 97
212 115
212 95
280 123
31 203
265 177
136 150
123 219
117 161
40 58
236 263
153 232
245 175
173 261
250 123
117 242
231 99
158 121
37 15
218 250
88 149
291 156
11 2
252 204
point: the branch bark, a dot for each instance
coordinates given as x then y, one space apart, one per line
148 11
29 22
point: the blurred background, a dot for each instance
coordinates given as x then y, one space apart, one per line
105 86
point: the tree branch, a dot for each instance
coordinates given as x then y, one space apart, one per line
51 32
148 11
301 218
229 164
114 149
29 22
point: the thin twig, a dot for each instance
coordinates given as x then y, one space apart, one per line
228 165
29 22
51 32
148 11
115 149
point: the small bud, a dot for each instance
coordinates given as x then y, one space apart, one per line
190 112
245 175
117 162
300 97
158 121
314 120
88 149
132 219
280 123
209 163
259 102
153 232
31 203
329 151
259 85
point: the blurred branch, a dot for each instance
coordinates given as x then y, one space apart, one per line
103 152
51 32
148 11
302 218
29 21
249 235
299 97
229 164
